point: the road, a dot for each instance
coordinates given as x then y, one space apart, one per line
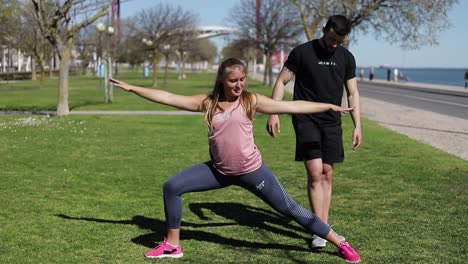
433 114
453 104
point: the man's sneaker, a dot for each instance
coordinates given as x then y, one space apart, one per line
349 253
342 238
164 250
318 242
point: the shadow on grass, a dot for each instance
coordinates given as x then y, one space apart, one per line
86 103
240 215
245 215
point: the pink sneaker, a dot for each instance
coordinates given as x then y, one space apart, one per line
164 250
349 253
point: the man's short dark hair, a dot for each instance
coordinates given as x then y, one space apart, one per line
340 24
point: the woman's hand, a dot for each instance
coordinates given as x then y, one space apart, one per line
127 87
342 110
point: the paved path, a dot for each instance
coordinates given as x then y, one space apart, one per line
444 132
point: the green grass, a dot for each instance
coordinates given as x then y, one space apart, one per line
88 189
86 93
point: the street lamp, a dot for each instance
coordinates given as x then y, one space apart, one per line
106 71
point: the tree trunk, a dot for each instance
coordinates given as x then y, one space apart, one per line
33 69
51 67
156 57
166 65
62 107
269 69
42 65
265 70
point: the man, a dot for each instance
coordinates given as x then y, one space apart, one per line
371 73
466 79
321 67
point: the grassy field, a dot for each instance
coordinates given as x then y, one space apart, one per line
86 93
88 189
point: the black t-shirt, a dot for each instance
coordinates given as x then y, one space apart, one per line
320 77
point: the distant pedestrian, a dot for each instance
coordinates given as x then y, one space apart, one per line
371 73
361 74
388 74
466 79
395 74
402 76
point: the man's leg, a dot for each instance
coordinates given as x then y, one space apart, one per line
319 187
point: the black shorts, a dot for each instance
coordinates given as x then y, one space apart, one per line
314 141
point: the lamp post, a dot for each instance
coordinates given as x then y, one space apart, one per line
105 71
110 87
167 50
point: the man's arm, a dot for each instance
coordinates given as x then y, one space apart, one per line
353 101
282 80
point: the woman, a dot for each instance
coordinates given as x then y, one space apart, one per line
235 159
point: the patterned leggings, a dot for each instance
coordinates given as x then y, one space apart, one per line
262 182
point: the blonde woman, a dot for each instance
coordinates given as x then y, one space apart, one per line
235 159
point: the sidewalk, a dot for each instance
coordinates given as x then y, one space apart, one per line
457 90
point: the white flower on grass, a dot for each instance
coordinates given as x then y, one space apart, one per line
31 121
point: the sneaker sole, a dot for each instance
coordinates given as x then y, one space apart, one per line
166 256
353 261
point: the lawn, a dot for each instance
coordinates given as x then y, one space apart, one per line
88 189
86 93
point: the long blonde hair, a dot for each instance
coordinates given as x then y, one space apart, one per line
210 104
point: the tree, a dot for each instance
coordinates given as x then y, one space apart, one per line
59 27
242 49
11 20
85 45
33 42
203 50
160 26
412 23
278 28
184 39
11 24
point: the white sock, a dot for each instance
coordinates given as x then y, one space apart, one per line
171 245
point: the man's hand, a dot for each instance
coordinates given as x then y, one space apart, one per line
357 138
273 125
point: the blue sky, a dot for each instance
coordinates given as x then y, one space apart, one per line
452 51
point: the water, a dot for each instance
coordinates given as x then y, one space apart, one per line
441 76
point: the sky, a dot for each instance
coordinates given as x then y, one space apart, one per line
452 51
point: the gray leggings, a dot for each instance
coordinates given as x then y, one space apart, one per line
262 182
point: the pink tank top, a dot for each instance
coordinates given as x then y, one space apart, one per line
232 147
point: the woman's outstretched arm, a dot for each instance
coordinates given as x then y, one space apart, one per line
267 105
189 103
